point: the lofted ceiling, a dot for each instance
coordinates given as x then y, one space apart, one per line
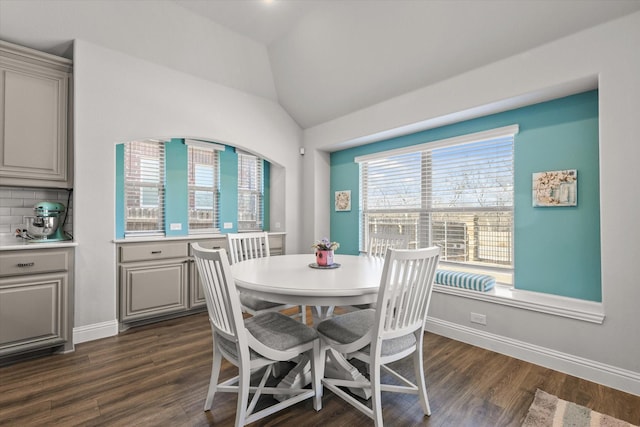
319 59
330 58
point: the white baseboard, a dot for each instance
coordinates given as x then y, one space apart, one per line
610 376
95 331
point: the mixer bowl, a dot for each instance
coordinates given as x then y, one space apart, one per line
41 227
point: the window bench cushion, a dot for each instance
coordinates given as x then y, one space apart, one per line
460 279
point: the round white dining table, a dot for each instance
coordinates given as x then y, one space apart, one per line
289 279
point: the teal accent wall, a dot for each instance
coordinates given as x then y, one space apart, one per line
266 193
176 201
556 250
119 191
176 186
229 189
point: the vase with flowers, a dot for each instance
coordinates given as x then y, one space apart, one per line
324 251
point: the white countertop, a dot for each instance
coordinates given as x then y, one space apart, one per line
8 242
161 238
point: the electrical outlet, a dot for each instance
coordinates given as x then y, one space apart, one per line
175 226
277 226
227 225
480 319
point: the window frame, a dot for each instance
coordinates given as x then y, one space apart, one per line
143 183
214 188
255 191
425 209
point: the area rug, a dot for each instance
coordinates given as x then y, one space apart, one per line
548 410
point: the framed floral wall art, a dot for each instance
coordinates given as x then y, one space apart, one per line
555 188
343 200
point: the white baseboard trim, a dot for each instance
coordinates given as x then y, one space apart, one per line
610 376
95 331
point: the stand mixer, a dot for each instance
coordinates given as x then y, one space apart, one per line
45 226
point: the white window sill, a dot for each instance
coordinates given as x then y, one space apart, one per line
573 308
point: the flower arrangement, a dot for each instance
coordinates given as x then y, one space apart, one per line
325 245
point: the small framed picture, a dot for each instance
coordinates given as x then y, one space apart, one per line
343 200
555 188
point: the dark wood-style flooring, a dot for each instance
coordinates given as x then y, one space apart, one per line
157 375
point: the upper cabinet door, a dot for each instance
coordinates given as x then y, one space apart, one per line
34 118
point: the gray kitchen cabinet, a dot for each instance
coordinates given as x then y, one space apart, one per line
36 301
153 289
159 279
35 134
196 293
197 298
153 280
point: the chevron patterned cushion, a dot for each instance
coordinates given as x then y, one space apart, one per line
459 279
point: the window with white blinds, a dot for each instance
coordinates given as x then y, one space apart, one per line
456 194
203 189
144 187
250 192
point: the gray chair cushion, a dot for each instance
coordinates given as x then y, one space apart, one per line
256 304
347 328
274 330
279 331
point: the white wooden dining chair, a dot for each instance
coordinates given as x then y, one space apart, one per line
390 332
257 342
244 246
379 243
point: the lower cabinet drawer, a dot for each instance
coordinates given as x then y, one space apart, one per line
151 251
219 243
33 262
150 290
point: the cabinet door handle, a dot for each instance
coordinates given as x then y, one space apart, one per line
26 264
156 252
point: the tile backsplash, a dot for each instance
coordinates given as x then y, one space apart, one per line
18 202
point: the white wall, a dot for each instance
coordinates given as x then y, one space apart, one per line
607 353
119 98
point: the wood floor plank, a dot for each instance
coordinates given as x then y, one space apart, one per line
157 375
